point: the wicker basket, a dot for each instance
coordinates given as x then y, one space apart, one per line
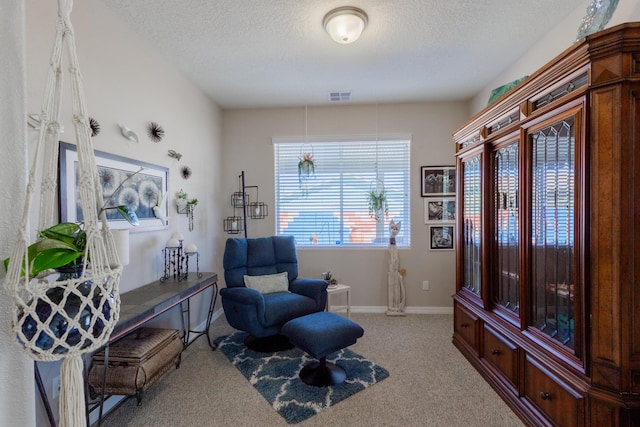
136 362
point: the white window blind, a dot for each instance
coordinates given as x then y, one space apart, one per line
331 207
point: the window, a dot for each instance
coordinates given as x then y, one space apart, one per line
331 206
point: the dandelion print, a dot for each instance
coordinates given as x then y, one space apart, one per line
149 194
107 180
129 197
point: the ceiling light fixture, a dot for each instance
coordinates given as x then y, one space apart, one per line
345 24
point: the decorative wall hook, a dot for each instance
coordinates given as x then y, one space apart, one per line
129 134
175 155
34 121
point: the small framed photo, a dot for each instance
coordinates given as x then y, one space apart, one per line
441 238
437 181
439 209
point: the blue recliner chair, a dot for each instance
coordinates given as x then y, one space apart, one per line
263 312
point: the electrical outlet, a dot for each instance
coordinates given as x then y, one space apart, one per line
56 387
425 285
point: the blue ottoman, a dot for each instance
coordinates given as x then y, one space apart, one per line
320 334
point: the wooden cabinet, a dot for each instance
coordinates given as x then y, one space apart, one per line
466 327
502 354
557 402
547 303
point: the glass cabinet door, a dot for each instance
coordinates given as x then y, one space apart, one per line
472 224
506 290
552 231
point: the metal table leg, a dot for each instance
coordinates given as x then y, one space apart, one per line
186 320
43 395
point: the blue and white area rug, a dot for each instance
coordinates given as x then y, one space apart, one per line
275 376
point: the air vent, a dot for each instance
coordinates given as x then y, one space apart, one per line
340 96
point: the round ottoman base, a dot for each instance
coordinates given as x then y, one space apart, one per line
322 374
269 344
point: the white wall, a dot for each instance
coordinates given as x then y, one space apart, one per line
127 82
247 146
17 403
551 45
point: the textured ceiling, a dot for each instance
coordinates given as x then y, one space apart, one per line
263 53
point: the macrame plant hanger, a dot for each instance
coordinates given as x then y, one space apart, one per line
48 328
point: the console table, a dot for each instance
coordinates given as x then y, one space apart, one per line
142 304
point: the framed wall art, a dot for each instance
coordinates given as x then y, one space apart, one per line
441 237
123 183
439 209
437 181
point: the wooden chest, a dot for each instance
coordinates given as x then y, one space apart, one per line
136 362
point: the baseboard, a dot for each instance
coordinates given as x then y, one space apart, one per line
362 309
408 310
216 314
109 404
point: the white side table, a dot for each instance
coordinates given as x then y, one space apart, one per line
336 289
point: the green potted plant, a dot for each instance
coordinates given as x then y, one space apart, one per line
377 204
327 276
184 203
185 206
62 245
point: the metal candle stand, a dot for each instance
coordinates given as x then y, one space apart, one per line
236 224
176 263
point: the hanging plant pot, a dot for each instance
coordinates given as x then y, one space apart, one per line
51 323
377 204
306 167
58 311
306 164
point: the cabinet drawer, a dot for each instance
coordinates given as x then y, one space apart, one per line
501 353
466 326
563 406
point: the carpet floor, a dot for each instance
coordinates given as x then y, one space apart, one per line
430 384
